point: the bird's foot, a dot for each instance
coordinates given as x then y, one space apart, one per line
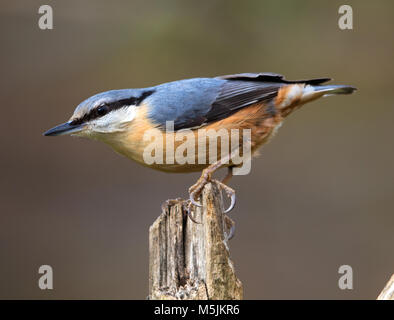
228 222
230 192
196 189
186 206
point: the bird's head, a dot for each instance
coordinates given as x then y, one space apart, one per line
103 114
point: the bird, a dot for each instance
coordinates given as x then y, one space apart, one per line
258 102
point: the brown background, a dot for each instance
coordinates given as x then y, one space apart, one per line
320 196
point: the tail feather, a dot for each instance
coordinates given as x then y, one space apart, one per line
334 89
311 92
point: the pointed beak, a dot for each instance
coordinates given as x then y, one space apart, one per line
63 129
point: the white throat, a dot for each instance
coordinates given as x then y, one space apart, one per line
114 121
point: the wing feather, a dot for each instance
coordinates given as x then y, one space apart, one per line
196 102
244 89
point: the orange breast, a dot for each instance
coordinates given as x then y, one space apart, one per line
133 145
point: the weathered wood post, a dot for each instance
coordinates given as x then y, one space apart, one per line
188 260
388 291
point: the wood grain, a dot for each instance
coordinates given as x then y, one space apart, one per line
388 291
188 260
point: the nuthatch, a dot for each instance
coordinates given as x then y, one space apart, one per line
255 101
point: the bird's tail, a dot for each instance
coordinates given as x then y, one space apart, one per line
312 92
334 89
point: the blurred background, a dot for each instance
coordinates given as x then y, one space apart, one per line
319 196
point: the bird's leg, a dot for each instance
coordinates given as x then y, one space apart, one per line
228 176
196 189
206 176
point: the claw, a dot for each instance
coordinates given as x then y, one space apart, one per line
232 228
232 232
230 193
189 212
232 204
193 201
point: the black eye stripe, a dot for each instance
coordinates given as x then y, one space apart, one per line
102 110
105 108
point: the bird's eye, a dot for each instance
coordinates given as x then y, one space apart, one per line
102 110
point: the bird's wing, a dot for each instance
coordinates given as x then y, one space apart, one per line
244 89
206 100
270 77
237 94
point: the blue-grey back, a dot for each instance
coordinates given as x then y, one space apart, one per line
185 101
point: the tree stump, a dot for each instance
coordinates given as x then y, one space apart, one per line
188 260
